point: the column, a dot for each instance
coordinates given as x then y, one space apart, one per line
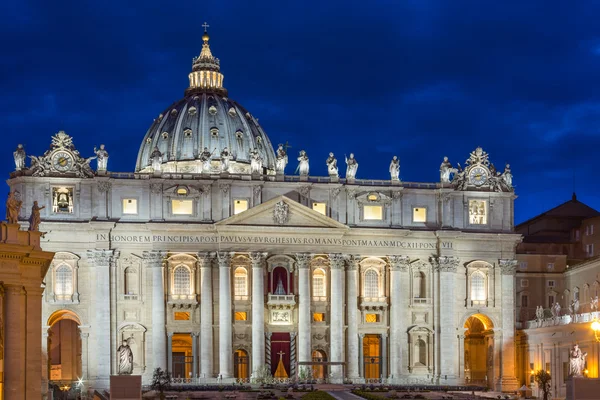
195 354
352 311
361 355
509 381
154 261
46 358
336 328
304 320
85 361
258 310
102 260
170 352
33 353
445 268
384 356
225 342
398 306
14 342
206 314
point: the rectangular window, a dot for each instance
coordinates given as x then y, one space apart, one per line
551 284
577 234
590 250
130 206
591 229
239 206
62 200
565 371
241 316
419 214
524 301
550 266
320 208
550 301
239 287
548 367
373 213
318 317
182 207
182 316
523 265
524 283
576 295
477 212
371 318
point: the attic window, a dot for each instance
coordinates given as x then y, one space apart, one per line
214 132
173 112
182 191
372 197
165 135
212 110
192 110
187 132
232 111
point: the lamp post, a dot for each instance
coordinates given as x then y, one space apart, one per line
596 329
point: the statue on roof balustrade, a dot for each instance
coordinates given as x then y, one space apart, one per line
281 159
395 169
303 166
351 167
332 167
19 155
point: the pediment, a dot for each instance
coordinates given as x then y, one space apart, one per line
284 212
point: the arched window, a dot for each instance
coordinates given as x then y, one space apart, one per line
371 283
478 287
63 282
419 285
131 281
420 353
240 280
181 281
319 288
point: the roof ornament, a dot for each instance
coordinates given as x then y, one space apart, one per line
206 75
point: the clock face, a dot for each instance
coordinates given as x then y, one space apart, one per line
62 161
478 176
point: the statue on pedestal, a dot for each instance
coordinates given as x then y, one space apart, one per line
555 309
282 159
256 162
576 361
303 163
19 155
445 170
225 159
507 177
351 167
125 359
35 219
101 158
332 167
13 208
205 156
156 158
395 169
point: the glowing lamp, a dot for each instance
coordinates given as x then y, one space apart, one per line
596 329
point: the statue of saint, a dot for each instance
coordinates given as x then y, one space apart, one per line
555 310
282 159
351 167
594 303
445 171
332 167
156 158
225 159
125 359
507 176
303 163
205 159
19 155
256 162
35 219
101 158
395 169
577 361
13 208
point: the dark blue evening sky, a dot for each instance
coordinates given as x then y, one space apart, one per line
418 79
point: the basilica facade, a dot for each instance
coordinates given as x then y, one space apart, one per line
211 262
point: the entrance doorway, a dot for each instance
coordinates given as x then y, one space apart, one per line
182 355
280 355
372 356
319 371
240 364
479 350
64 347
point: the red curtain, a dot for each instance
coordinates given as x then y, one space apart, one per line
280 342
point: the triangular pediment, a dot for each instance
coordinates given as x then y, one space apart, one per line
296 215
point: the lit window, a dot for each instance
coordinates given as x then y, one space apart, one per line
477 286
477 212
373 213
181 316
318 317
371 283
419 214
239 206
240 282
319 283
372 197
371 318
182 207
181 281
63 282
241 316
62 200
182 191
129 206
320 208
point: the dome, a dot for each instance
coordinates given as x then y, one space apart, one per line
205 119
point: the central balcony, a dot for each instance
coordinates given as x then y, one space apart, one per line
281 301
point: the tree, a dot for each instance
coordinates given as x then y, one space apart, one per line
161 381
543 378
262 375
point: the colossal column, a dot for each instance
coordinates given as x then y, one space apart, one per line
33 354
14 342
225 342
304 323
509 381
352 310
336 328
155 261
398 305
258 310
206 314
445 268
102 260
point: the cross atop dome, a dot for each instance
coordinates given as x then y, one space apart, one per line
205 26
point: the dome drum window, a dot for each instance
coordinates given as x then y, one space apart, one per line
165 135
212 110
214 132
187 132
232 112
192 110
174 112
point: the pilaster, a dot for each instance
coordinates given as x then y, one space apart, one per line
508 380
352 313
336 327
205 261
258 310
398 304
225 320
155 261
304 320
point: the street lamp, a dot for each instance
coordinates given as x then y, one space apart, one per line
596 329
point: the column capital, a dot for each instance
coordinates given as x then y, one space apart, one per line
353 262
336 261
361 335
258 258
195 334
303 260
444 263
103 257
154 256
508 266
224 258
399 263
170 334
14 290
205 259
